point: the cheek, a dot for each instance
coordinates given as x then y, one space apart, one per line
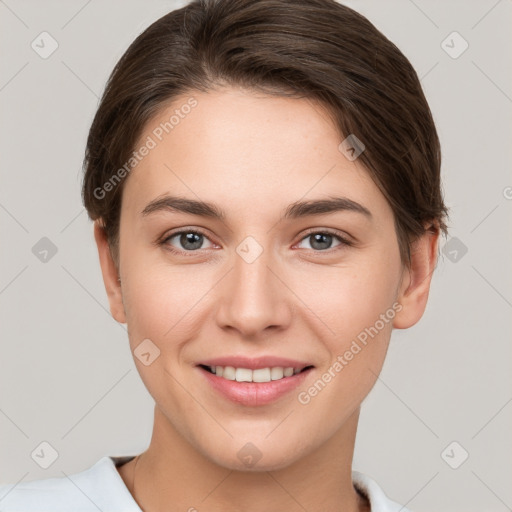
163 303
350 298
358 308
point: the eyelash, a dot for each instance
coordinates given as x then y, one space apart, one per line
344 241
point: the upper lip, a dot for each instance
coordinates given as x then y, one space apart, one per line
254 363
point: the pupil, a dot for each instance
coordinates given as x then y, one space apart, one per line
191 238
321 241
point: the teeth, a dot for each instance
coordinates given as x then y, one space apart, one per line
276 373
243 375
259 375
228 372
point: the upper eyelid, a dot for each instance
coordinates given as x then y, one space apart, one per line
186 230
330 231
344 239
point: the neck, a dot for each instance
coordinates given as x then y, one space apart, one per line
172 476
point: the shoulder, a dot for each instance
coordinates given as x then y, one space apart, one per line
99 487
379 502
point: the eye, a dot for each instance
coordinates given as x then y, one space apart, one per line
192 240
323 240
189 240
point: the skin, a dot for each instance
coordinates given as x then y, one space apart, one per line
253 155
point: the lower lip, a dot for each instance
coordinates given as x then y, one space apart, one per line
254 393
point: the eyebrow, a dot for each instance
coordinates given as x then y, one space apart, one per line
323 206
295 210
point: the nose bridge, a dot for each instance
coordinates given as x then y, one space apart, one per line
254 297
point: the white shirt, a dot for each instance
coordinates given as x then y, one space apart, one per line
101 488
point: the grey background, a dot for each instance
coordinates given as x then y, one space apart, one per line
66 373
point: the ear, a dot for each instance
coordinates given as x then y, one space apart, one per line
110 274
415 284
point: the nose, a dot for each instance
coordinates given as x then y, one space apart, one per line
254 297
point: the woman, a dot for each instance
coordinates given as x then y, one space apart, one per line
264 180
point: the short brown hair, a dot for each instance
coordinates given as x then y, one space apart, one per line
317 49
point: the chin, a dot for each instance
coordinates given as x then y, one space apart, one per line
254 457
274 463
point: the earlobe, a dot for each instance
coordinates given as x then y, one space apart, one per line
415 285
110 274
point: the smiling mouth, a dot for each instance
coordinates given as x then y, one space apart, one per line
268 374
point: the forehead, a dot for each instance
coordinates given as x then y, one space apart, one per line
245 150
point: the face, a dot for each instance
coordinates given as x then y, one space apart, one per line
258 281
